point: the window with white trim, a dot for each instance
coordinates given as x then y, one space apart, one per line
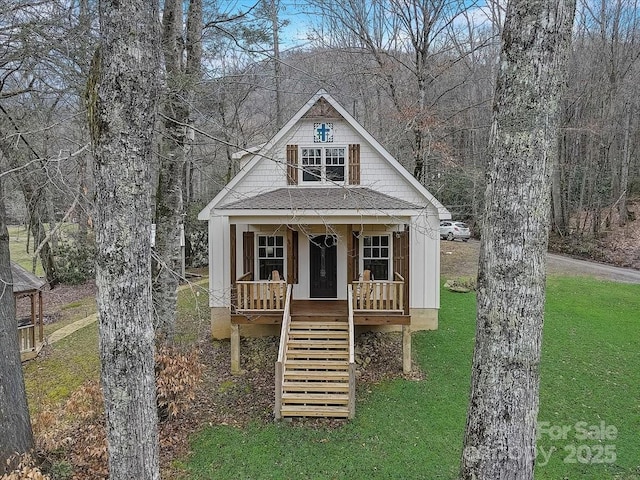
324 164
376 255
270 255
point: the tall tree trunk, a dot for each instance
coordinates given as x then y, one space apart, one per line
181 81
558 207
500 434
33 183
623 210
122 101
15 423
272 8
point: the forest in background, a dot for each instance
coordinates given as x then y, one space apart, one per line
418 75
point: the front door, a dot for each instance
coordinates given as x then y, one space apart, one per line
324 267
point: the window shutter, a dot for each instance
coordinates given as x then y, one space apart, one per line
248 252
232 253
292 164
292 259
354 164
354 256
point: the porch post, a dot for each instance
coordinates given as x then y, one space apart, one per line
235 349
40 317
406 349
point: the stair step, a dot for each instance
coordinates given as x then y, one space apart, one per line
314 411
315 387
318 334
317 364
316 398
317 354
335 343
319 325
316 375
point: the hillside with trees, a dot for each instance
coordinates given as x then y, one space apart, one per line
420 80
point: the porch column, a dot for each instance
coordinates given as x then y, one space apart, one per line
219 276
406 349
219 261
235 349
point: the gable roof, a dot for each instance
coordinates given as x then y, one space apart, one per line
320 104
25 281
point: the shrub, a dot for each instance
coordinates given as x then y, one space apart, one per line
75 261
196 235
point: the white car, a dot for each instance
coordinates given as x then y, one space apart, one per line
452 230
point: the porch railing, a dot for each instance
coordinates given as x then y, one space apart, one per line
352 359
260 295
27 338
379 295
284 338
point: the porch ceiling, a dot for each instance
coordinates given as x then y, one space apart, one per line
331 198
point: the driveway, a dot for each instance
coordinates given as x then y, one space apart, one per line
459 259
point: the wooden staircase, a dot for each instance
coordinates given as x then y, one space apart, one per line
316 377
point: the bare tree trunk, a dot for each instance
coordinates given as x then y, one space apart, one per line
624 173
122 100
181 82
33 181
557 187
15 423
500 434
272 8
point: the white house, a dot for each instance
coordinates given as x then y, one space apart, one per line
320 222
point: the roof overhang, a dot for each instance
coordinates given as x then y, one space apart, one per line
311 217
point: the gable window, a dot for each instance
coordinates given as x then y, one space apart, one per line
270 255
323 164
376 255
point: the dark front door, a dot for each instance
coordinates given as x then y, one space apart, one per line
324 267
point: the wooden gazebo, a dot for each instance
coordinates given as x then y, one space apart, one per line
31 329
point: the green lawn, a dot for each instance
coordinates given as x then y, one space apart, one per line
413 429
17 247
51 378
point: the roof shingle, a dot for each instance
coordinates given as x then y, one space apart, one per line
332 198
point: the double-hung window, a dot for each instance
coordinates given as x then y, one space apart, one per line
270 255
376 256
324 164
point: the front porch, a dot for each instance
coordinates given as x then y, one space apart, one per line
320 310
369 303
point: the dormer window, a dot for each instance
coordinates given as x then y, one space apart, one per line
323 164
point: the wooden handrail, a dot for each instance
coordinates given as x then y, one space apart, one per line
284 337
352 360
397 277
284 330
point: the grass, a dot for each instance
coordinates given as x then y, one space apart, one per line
72 312
53 377
18 242
409 429
73 360
17 247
